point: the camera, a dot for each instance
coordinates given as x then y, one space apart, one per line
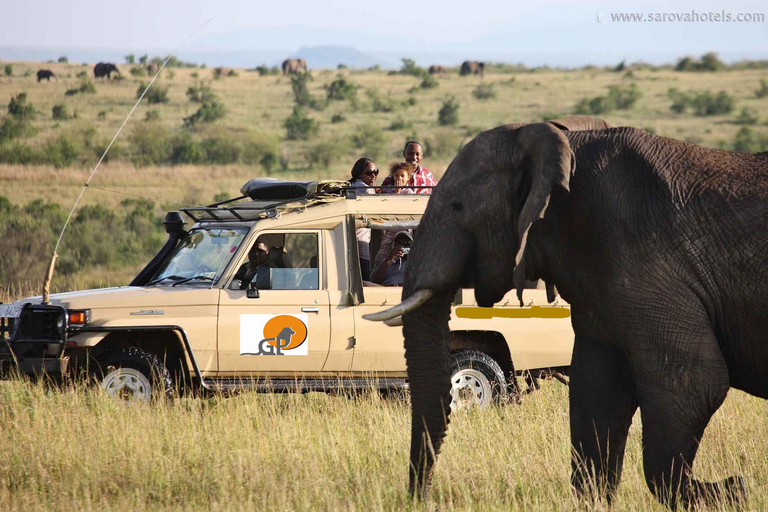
406 250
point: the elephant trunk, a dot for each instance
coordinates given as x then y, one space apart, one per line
426 352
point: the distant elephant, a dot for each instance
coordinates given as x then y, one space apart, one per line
659 246
436 70
472 67
103 69
151 68
45 74
294 66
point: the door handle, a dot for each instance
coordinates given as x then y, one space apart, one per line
310 310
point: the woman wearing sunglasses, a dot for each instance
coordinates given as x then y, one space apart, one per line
364 174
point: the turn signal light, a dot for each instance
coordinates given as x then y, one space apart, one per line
78 317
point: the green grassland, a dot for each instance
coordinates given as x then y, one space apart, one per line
78 450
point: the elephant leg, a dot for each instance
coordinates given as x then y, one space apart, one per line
602 403
681 382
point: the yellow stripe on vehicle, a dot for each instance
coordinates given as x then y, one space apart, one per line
529 312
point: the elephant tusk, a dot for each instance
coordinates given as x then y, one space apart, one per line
408 305
394 322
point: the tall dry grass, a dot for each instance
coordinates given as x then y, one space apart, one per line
78 450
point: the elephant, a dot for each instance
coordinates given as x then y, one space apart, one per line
45 74
294 66
472 67
151 68
658 245
436 70
103 69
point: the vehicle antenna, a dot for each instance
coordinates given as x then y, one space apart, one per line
55 255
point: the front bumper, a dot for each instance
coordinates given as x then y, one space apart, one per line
32 338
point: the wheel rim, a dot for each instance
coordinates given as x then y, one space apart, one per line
127 384
470 387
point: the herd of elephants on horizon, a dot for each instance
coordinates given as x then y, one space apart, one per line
661 248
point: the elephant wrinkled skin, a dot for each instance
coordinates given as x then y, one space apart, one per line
659 246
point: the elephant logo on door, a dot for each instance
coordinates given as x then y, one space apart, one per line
274 335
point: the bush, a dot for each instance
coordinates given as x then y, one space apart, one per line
83 75
762 92
152 115
130 59
221 150
411 101
706 104
9 70
102 115
267 71
299 126
409 67
63 59
210 111
429 82
746 116
323 154
156 94
20 109
379 104
200 93
618 98
449 112
747 141
338 118
138 71
184 150
14 128
484 92
149 145
708 62
301 94
60 112
445 143
86 87
340 90
232 73
401 124
370 140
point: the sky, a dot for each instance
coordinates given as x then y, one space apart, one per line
555 32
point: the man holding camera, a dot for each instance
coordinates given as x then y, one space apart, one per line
392 272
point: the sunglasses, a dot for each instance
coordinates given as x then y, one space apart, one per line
371 172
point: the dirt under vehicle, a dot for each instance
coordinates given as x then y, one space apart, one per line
195 315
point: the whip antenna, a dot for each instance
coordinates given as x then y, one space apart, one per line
55 255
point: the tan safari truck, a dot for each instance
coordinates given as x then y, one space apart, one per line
200 315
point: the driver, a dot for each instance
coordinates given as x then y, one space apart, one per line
258 256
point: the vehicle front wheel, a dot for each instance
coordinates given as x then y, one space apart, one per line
132 374
476 379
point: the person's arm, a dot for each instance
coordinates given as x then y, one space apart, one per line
396 252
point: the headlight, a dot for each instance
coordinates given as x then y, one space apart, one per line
59 323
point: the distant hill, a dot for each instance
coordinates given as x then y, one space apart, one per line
332 56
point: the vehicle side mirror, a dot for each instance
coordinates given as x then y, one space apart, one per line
252 292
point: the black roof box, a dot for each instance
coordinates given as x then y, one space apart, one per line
266 189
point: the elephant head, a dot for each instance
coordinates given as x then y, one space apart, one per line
511 172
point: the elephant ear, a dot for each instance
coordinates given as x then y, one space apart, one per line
578 123
552 163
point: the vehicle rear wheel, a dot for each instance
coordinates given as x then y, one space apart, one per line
132 374
476 379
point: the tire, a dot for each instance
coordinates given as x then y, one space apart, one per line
132 374
476 379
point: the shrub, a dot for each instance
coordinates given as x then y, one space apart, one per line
138 71
60 112
184 150
267 71
323 153
200 93
680 100
221 150
299 126
429 82
338 118
152 115
28 72
149 145
449 112
445 143
747 141
340 90
102 115
618 97
155 95
221 196
20 109
706 104
63 59
208 112
484 92
370 140
13 128
762 92
401 124
83 75
259 149
746 116
708 62
411 101
409 67
379 104
9 70
86 87
232 73
300 91
130 59
269 161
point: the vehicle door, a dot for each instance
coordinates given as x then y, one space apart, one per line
281 327
379 348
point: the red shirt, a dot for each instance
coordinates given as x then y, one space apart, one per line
421 178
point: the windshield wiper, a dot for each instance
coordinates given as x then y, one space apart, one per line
201 277
155 281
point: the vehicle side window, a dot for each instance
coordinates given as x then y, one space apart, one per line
303 274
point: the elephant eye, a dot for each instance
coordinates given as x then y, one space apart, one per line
456 205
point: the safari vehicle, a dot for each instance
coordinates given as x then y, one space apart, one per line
189 318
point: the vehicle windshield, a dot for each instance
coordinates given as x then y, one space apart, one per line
201 257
